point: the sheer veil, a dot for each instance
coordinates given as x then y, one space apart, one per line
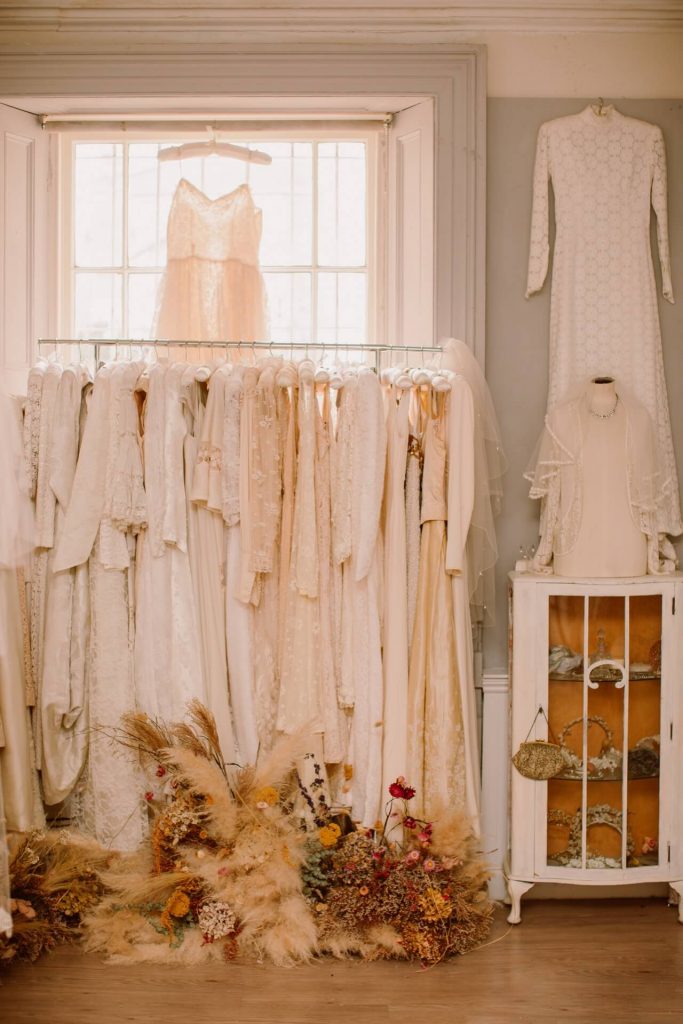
489 466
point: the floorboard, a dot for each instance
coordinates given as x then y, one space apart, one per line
574 961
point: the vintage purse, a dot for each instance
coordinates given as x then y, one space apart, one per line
539 759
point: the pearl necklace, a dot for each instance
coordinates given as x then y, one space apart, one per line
605 415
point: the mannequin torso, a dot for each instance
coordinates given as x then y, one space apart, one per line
609 543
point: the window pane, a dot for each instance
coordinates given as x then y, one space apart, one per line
341 204
142 300
98 306
284 192
98 205
289 306
342 308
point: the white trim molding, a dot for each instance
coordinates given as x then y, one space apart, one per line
99 27
495 772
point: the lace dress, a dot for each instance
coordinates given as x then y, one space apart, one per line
395 623
357 503
206 541
212 288
105 511
62 705
168 666
435 737
239 615
606 172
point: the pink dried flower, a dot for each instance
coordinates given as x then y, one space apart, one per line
409 822
412 857
429 864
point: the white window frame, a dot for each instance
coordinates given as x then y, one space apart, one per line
374 217
208 74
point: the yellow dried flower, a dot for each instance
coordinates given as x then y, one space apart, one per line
435 906
178 903
348 772
266 795
329 834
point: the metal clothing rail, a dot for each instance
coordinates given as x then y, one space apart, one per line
273 346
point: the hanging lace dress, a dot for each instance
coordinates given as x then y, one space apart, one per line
395 622
436 749
212 289
106 510
17 770
607 171
168 666
62 705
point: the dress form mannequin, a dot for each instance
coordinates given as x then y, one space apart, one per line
609 542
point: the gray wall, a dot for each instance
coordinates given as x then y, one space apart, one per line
517 329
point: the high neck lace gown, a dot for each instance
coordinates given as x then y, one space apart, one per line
212 289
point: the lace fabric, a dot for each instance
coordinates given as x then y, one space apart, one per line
483 446
556 476
212 288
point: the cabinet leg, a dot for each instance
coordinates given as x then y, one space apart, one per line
516 890
678 888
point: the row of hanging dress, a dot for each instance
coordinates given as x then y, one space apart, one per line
20 804
285 548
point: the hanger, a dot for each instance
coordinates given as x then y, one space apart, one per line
601 109
214 148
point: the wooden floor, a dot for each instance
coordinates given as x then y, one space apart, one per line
567 961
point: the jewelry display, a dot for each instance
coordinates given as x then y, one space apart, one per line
597 814
605 766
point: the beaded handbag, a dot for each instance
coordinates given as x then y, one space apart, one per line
539 759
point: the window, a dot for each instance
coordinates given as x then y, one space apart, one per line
316 248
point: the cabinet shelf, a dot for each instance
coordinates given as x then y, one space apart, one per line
603 778
556 677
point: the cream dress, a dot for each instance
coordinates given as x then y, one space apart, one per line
435 729
63 691
357 503
212 288
168 667
106 509
239 614
206 541
395 621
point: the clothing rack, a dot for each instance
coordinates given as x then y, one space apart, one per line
273 346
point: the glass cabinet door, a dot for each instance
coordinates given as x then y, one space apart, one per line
604 710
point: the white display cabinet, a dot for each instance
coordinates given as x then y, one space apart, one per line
603 660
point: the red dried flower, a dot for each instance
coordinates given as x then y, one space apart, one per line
409 822
161 771
149 796
397 790
408 792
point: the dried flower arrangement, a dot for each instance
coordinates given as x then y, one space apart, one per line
54 881
421 896
251 863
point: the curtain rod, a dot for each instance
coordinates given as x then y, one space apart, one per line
200 125
339 346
